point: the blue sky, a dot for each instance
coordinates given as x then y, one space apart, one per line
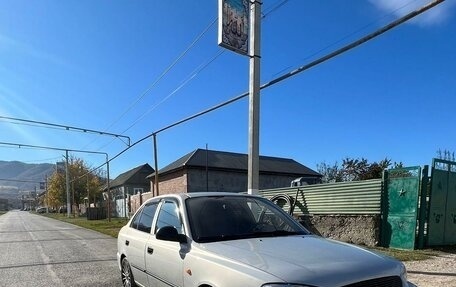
114 66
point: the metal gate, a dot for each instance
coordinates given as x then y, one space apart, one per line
442 210
400 207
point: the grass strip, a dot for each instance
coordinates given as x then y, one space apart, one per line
104 226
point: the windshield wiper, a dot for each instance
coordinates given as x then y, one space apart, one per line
207 239
276 233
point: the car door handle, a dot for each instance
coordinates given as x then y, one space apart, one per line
150 250
127 242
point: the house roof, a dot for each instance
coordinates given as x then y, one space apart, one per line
125 177
199 158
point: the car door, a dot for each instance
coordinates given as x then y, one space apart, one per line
164 262
136 241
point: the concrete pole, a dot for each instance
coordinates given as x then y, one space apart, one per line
46 194
109 189
67 176
254 98
156 192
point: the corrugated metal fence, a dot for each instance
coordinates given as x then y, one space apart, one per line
354 198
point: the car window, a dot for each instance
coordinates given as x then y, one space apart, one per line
135 221
143 219
169 216
220 218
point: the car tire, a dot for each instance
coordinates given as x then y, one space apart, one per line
127 275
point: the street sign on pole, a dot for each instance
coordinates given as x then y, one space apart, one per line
233 25
239 31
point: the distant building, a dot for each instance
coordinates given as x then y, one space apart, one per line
131 182
209 170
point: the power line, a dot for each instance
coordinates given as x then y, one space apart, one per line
350 34
17 180
355 43
273 8
192 75
164 73
68 128
329 56
19 145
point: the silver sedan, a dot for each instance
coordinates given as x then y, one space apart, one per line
228 239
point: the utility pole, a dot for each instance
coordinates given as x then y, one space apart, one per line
67 176
254 98
46 195
156 192
109 189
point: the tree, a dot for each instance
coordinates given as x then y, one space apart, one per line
83 182
354 169
331 173
56 195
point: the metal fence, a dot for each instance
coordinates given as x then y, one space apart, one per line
353 198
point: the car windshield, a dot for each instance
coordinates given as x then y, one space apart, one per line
220 218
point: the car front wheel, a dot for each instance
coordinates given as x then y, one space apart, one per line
127 276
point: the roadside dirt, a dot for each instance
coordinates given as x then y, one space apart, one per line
439 271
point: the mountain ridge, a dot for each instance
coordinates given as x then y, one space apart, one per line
17 178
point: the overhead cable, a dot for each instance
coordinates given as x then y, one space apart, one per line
163 74
295 72
65 127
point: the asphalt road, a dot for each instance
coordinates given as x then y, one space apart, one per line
39 251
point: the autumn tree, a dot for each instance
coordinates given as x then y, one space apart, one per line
83 183
56 187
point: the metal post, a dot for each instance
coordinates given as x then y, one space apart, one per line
254 98
88 193
423 204
109 189
156 193
125 201
207 170
73 209
67 175
46 194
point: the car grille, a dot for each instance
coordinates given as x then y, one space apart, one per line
392 281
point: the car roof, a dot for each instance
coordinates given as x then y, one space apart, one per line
184 196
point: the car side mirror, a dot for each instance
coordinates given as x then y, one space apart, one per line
169 233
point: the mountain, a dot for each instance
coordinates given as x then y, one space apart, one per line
18 178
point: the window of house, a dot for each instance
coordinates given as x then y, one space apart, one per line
137 190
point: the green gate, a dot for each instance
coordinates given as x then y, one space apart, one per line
442 209
400 207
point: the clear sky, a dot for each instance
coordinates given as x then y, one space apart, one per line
129 67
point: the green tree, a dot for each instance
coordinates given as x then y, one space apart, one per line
331 173
353 169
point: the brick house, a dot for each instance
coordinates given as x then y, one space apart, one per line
209 170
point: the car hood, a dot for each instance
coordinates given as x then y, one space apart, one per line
307 259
